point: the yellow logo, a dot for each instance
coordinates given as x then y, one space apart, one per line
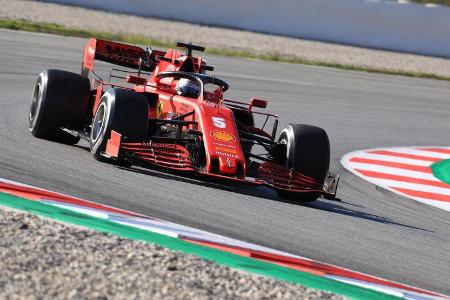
159 109
222 136
226 150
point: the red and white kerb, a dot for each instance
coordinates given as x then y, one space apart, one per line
403 170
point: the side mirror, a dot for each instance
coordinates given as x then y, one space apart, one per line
254 102
136 80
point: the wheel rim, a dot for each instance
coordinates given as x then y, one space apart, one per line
37 95
285 141
98 123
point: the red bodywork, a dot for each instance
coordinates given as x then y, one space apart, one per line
211 119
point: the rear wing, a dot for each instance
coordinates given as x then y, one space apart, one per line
119 54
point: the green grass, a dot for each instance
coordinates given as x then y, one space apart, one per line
66 31
440 2
134 39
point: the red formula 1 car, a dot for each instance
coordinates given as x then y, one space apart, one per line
167 112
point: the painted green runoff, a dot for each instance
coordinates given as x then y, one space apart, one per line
221 257
441 170
137 39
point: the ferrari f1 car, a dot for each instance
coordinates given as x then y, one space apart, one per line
166 112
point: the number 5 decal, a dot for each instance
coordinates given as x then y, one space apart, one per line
219 122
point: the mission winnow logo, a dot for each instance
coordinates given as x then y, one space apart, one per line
419 173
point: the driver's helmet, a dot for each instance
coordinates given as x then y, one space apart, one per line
187 88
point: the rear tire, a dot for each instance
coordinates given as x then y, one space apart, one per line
60 99
123 111
308 152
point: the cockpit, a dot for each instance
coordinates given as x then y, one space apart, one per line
197 86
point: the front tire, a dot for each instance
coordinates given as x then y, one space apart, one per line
123 111
307 152
60 99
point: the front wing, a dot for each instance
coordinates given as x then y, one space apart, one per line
176 157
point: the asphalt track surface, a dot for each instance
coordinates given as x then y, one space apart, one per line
371 230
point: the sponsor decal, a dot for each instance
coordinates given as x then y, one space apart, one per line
219 122
170 146
159 109
122 51
222 136
160 145
226 154
228 163
224 145
226 150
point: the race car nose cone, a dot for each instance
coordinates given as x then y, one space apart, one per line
227 165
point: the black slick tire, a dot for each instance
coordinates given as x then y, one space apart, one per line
60 99
308 152
123 111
